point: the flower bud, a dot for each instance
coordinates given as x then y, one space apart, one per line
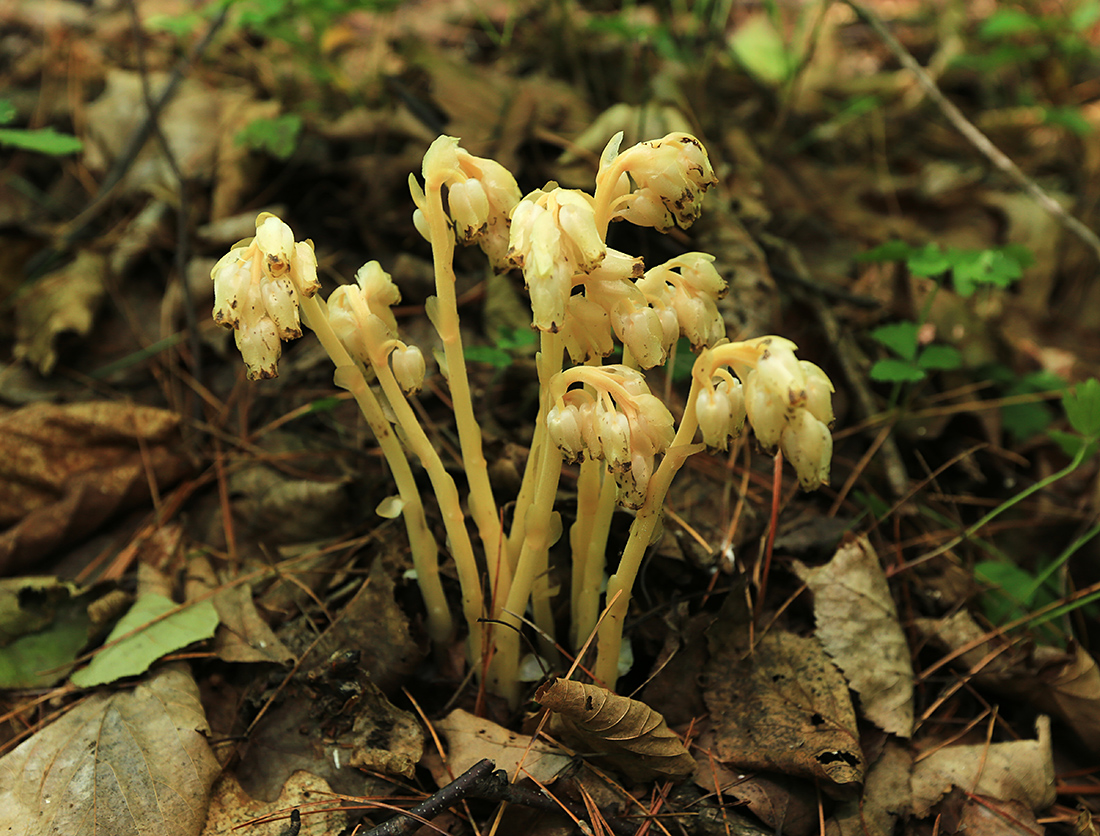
819 390
260 348
781 374
276 242
652 427
469 208
766 413
408 368
808 446
281 304
712 411
303 269
614 432
587 330
641 332
231 276
563 426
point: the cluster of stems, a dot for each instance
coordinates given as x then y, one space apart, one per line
585 298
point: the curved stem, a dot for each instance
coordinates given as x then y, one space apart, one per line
425 550
483 507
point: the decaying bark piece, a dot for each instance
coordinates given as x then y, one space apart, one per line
630 736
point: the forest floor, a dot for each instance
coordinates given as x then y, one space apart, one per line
209 616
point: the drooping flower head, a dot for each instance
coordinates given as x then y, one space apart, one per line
620 422
481 194
256 292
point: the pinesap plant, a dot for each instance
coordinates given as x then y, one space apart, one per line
585 298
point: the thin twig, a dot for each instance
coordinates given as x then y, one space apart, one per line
458 790
967 128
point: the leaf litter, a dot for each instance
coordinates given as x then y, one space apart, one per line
309 662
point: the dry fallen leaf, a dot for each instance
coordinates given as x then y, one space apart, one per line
781 706
65 469
627 734
1018 770
234 812
886 795
64 302
470 738
858 626
128 762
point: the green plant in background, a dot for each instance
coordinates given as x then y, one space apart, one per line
509 342
277 137
40 140
969 270
1017 38
1015 594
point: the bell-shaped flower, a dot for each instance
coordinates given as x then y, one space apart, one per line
640 330
563 423
408 368
587 330
766 411
808 446
672 172
819 393
256 292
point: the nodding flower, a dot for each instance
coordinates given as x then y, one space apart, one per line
256 292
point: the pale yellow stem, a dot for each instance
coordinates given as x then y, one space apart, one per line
587 611
483 507
532 564
610 633
425 551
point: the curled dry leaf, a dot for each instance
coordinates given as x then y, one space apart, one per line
858 626
630 735
1063 683
1018 770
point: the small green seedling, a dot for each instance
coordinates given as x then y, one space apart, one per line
41 140
996 267
277 137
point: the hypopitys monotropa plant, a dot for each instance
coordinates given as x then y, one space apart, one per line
585 297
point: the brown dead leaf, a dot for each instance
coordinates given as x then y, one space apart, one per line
66 469
783 707
1018 770
243 636
627 734
470 738
858 626
62 303
233 811
376 627
977 815
786 805
1065 684
886 796
128 762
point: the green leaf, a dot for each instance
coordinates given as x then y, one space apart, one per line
1085 15
1082 405
7 111
164 634
498 358
890 251
899 337
278 137
44 624
1006 22
929 260
971 268
1069 118
760 49
1072 444
896 371
939 357
43 140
